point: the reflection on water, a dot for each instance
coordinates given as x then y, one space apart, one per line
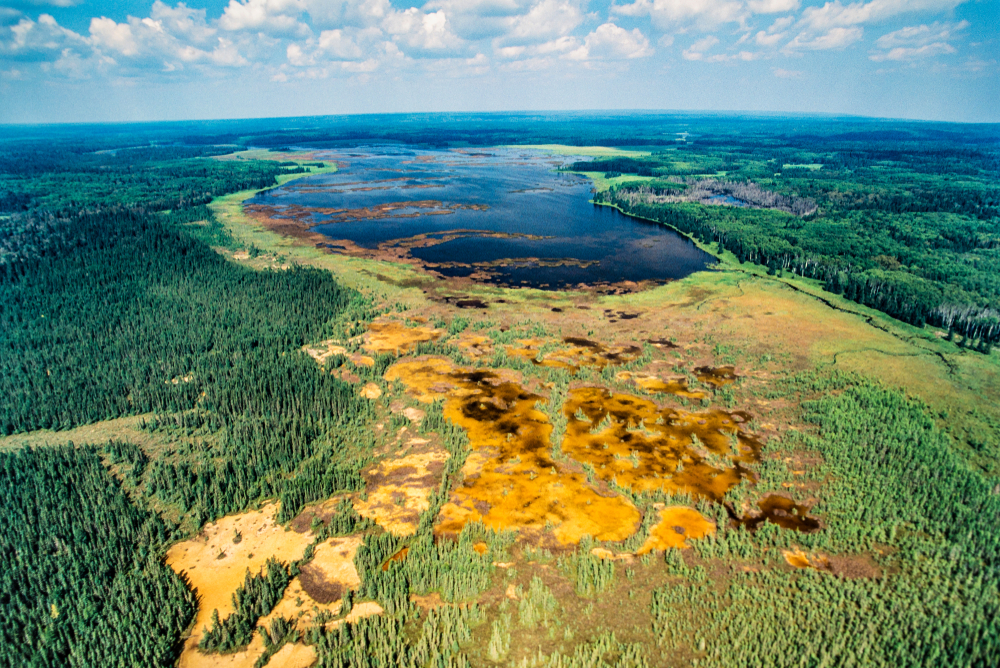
545 232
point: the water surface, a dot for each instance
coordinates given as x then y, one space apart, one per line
543 231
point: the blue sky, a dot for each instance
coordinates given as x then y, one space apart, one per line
136 60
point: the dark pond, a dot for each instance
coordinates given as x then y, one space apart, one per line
541 230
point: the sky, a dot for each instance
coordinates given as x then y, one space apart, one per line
136 60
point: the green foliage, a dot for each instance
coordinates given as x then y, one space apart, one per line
254 599
909 229
591 575
82 584
281 631
381 641
538 605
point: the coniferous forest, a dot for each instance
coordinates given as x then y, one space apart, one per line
121 298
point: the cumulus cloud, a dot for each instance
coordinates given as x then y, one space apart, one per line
421 31
917 42
269 16
834 14
610 42
782 73
697 50
321 38
705 14
545 20
772 6
835 38
38 40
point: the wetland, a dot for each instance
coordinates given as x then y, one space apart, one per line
503 215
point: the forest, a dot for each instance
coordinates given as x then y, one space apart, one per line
119 298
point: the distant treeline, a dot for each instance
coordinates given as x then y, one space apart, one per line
918 244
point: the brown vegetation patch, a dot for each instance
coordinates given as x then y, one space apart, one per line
398 490
572 353
677 387
331 570
324 350
324 512
474 345
854 566
784 512
645 447
716 376
510 480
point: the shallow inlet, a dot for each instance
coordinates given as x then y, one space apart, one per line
504 216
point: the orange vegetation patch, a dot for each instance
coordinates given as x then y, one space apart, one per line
398 490
602 553
677 387
428 602
510 479
293 655
399 556
801 559
474 345
216 566
331 570
392 336
717 376
324 350
677 525
370 391
645 447
359 611
572 353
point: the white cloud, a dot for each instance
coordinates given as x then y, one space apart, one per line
346 13
914 53
610 42
786 74
545 20
705 14
340 45
182 21
835 38
481 19
105 33
772 6
269 16
697 50
834 14
919 35
420 31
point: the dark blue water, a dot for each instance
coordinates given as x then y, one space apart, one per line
522 194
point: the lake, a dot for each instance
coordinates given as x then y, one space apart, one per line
501 215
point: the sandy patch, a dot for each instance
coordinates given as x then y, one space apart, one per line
216 567
293 656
